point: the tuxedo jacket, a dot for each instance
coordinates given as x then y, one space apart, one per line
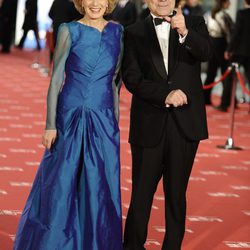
240 40
145 76
194 11
126 15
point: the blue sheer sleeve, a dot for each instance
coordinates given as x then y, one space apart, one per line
60 56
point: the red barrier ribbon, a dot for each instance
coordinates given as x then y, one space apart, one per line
223 77
242 83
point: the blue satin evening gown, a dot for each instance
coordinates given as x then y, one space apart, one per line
75 201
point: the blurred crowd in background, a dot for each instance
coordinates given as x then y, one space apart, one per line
230 36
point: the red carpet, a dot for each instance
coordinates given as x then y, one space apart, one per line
218 195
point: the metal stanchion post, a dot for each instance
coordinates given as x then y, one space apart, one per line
36 63
44 69
230 141
41 62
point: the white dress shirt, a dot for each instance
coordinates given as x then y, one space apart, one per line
163 34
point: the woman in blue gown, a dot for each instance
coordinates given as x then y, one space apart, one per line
75 201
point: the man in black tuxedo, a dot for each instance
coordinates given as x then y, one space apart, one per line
161 68
62 11
238 49
124 13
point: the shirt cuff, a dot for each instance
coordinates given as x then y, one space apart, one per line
182 38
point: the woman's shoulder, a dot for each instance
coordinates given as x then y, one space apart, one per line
64 28
67 26
70 24
70 28
219 17
219 14
116 26
73 26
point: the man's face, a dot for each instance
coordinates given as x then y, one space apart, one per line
161 8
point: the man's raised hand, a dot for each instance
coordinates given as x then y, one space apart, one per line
178 22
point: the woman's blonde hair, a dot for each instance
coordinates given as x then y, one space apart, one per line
110 8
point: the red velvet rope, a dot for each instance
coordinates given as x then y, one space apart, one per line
223 77
50 41
242 83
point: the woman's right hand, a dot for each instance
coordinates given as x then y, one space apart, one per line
48 138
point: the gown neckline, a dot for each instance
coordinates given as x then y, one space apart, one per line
93 28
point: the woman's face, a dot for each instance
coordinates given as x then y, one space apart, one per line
95 9
226 4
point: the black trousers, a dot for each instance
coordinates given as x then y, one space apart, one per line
7 35
218 62
25 33
172 159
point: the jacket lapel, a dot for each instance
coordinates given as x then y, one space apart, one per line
153 44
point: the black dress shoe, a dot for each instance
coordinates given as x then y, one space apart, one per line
19 47
5 51
221 108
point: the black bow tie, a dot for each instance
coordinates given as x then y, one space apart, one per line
159 21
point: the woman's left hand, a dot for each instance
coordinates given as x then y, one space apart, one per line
48 138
